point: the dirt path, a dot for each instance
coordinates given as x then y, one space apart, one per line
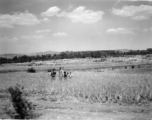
83 111
83 115
76 110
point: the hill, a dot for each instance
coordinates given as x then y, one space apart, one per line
43 53
123 50
9 56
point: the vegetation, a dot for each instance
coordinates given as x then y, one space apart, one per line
132 66
49 70
80 54
23 108
31 70
87 86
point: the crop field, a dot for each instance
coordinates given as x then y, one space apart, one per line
99 93
94 86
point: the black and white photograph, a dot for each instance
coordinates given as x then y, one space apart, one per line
76 59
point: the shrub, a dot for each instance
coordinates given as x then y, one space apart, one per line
103 59
132 66
22 107
31 70
49 70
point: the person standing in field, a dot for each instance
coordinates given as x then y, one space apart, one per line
61 73
53 74
65 75
70 75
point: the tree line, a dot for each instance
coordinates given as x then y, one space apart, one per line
78 54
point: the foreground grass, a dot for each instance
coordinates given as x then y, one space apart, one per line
87 86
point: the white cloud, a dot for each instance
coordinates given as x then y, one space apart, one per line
138 0
37 36
42 31
7 39
80 14
139 18
25 37
45 20
41 0
32 37
118 1
5 25
141 12
51 11
14 39
145 30
129 0
25 19
60 34
120 31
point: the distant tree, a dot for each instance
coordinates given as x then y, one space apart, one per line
78 54
15 59
149 50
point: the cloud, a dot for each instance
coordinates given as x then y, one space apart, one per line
80 14
145 30
6 39
42 31
14 39
141 12
4 25
120 31
24 19
37 36
32 37
138 18
60 34
45 20
138 0
118 1
41 0
51 12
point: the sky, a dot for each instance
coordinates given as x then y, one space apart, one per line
28 26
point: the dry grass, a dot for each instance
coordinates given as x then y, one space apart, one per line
86 86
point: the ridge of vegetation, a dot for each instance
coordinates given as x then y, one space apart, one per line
70 55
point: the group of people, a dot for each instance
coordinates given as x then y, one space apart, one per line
62 74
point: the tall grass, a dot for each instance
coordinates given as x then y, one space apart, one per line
87 86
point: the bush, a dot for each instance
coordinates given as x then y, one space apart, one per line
23 108
132 66
49 70
31 70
